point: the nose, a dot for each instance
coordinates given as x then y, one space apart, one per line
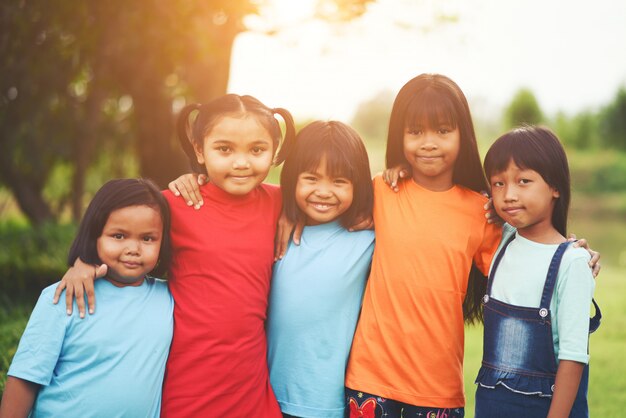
323 191
132 246
510 194
429 142
240 163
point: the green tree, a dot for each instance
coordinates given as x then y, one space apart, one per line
524 108
613 121
371 118
77 75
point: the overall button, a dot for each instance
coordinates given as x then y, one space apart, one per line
543 312
485 298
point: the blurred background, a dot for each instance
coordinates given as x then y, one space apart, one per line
89 91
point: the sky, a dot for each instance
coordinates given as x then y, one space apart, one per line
570 53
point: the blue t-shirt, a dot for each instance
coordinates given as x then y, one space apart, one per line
109 364
315 299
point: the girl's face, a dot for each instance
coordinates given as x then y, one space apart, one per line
130 244
432 152
321 197
237 154
523 199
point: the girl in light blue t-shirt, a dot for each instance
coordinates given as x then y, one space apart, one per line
536 309
317 286
112 364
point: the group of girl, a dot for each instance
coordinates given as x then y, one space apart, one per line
386 321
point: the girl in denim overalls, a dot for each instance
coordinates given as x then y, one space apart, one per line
535 358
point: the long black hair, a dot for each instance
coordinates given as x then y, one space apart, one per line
428 100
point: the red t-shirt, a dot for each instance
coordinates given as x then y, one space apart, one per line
220 277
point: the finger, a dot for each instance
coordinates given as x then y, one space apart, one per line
187 191
91 297
297 233
101 271
282 240
581 243
571 237
367 223
58 291
596 270
595 258
404 173
202 179
172 187
69 298
80 300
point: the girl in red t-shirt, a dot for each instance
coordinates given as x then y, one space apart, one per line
222 262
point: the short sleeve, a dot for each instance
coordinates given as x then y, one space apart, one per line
574 292
40 346
492 234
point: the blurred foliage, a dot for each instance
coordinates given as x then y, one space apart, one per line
523 109
613 121
32 258
371 118
83 78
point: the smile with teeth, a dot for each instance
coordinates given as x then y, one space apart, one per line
321 206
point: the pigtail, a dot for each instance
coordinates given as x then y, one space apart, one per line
289 140
185 136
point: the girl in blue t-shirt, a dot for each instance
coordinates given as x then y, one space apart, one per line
536 310
110 364
317 286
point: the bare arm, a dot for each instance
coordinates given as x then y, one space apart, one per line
18 399
565 388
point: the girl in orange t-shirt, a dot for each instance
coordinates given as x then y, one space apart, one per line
432 240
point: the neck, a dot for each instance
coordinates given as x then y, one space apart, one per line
542 235
434 184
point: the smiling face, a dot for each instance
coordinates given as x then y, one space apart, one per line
237 154
322 197
130 243
524 200
432 153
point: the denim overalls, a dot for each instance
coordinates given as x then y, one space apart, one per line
519 365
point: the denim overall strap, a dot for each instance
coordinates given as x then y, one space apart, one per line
494 267
553 271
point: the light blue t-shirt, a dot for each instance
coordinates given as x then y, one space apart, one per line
315 299
109 364
519 281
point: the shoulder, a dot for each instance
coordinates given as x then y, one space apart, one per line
271 191
469 195
575 255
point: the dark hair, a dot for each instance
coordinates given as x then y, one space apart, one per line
345 157
118 194
194 132
535 148
430 99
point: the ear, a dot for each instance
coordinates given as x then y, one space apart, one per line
198 150
555 194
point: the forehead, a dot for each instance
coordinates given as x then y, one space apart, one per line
238 130
135 217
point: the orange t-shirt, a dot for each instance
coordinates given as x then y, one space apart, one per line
409 340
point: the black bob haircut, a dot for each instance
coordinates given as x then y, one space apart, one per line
118 194
535 148
345 156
